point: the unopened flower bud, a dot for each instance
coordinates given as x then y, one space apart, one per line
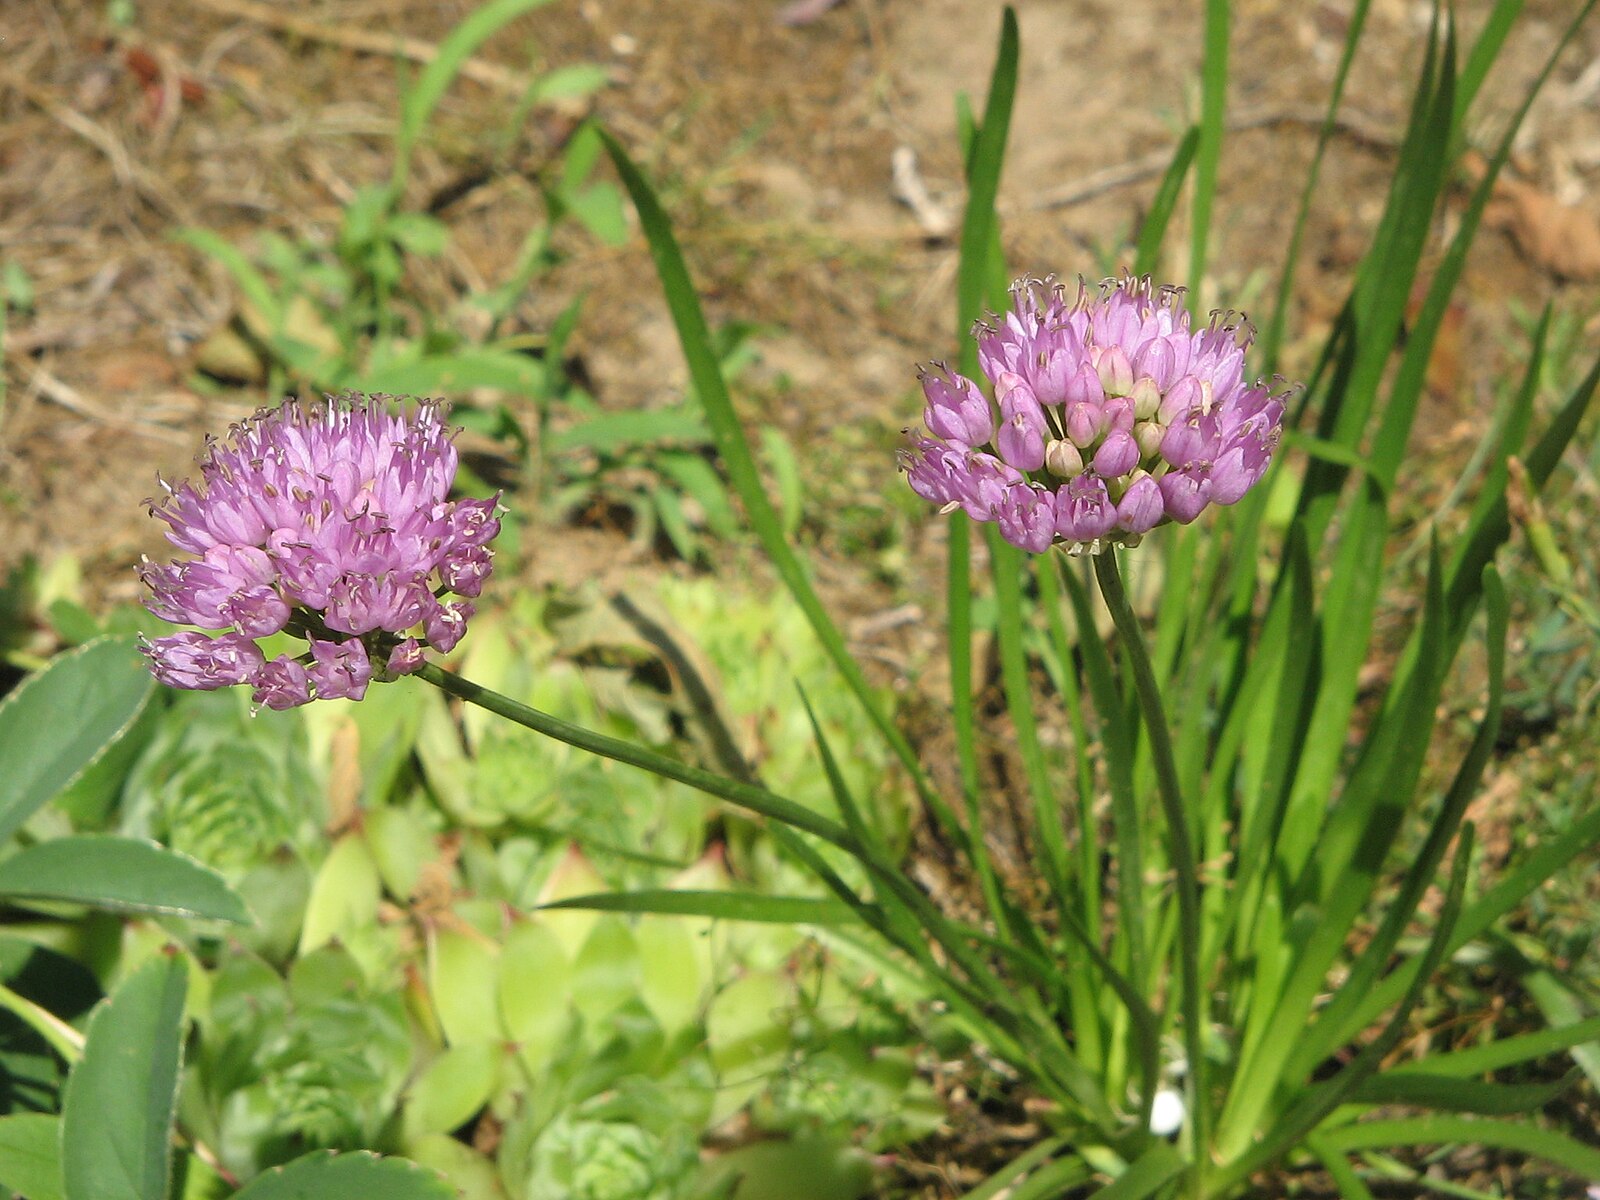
1148 435
1146 397
1117 413
1117 455
1061 458
1115 371
1083 387
1083 424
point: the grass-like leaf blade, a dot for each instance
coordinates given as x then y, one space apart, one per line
705 371
725 906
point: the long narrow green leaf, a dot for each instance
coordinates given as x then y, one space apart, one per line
1384 280
430 86
1349 858
1334 1027
1154 229
257 291
1484 52
1339 1170
983 187
116 1113
723 906
1208 155
1117 739
1556 1148
1450 1093
1145 1175
1007 570
1029 1160
1321 1099
985 156
1504 1052
1272 342
706 373
1512 889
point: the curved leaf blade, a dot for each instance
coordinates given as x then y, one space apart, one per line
58 722
30 1157
360 1176
116 1115
120 874
726 906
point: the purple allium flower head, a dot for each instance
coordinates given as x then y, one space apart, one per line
332 522
1114 416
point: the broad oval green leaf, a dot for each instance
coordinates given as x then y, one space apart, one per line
535 975
116 1115
60 720
452 1088
30 1155
464 978
121 874
360 1176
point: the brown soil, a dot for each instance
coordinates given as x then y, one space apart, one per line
772 148
772 145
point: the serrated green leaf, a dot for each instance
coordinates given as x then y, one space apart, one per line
116 1114
30 1155
120 874
469 1171
58 721
359 1176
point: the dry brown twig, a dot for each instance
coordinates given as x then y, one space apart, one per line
130 173
1150 165
365 41
41 383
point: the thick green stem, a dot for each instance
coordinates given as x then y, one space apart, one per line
61 1037
1181 849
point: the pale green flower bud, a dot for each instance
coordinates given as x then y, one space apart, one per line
1149 434
1062 458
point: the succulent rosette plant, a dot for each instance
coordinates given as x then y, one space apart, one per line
331 522
1110 416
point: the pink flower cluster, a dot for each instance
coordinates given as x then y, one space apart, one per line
329 521
1110 417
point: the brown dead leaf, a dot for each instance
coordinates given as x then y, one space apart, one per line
1560 238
